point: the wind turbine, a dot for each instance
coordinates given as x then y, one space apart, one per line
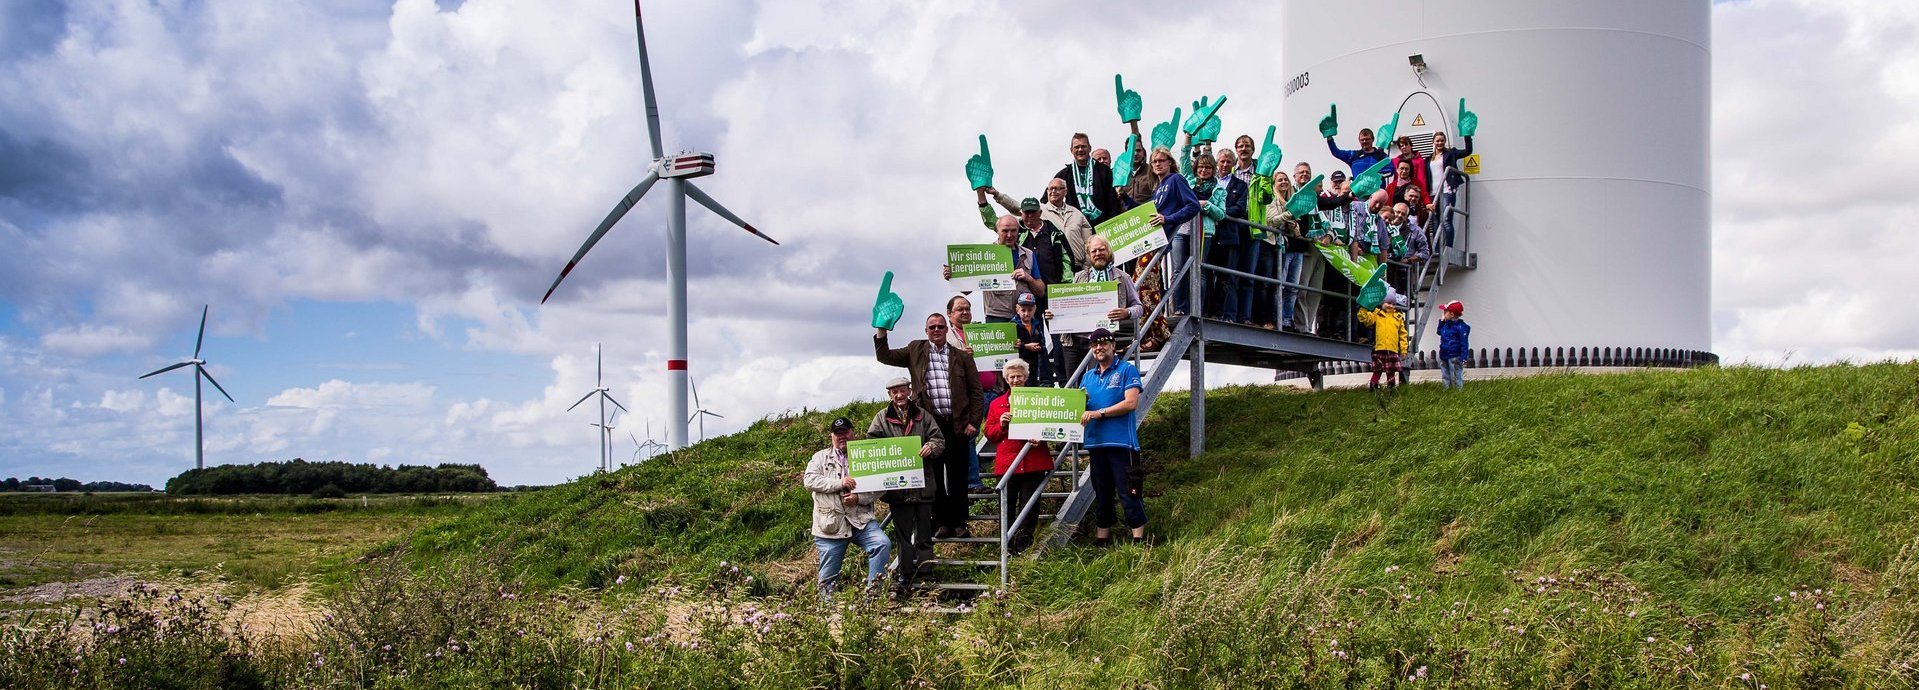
645 451
199 372
677 169
699 411
600 389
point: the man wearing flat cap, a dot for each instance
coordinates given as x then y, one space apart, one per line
912 508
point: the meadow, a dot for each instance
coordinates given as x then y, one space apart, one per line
60 543
1721 528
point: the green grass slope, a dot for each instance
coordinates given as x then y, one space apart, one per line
1651 529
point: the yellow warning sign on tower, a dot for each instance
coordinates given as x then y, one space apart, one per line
1419 120
1469 164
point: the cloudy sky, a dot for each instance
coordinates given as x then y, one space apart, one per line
373 198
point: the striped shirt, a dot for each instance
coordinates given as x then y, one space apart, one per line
938 382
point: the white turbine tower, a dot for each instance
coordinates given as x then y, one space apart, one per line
677 170
700 412
199 372
605 424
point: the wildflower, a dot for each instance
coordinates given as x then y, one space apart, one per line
1421 673
629 647
123 661
1648 638
1821 606
619 580
1776 598
1745 676
386 648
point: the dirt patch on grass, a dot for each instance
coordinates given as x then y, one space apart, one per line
56 592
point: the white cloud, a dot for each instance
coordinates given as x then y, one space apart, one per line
249 155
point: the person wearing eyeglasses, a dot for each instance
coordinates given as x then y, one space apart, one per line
945 382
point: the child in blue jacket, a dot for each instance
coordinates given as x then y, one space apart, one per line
1454 345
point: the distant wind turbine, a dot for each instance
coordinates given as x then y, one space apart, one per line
605 424
676 170
699 411
199 371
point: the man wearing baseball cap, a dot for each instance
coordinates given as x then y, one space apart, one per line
1112 395
841 517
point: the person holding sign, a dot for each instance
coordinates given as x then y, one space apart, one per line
841 517
999 303
912 509
1112 395
1129 310
1032 470
946 383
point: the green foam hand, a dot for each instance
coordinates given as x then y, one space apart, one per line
888 307
1468 120
1329 125
1386 131
1129 103
1165 132
1369 181
1123 166
1209 132
979 168
1203 116
1269 155
1306 200
1373 293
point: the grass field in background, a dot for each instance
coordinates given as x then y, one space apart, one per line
252 541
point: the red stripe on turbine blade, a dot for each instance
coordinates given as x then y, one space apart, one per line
556 281
676 365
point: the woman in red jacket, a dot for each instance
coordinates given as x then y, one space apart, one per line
1033 470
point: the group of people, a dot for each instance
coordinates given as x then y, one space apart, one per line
1211 203
947 403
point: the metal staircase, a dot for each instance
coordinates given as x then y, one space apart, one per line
968 564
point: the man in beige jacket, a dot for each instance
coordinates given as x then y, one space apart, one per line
840 516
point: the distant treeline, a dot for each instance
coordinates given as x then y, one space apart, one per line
328 479
65 484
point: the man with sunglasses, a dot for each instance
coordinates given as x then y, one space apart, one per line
946 383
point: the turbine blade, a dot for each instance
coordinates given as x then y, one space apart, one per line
216 384
599 362
583 399
163 370
646 86
698 195
197 342
695 385
616 403
619 211
716 414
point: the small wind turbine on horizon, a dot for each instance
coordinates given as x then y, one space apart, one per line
605 424
645 451
677 170
699 411
199 372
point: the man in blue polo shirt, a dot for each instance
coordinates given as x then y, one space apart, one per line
1112 394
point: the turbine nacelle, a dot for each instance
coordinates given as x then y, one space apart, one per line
685 165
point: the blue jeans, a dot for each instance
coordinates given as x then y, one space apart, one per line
1290 268
1181 248
1452 372
1446 234
872 540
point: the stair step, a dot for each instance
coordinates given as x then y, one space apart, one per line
959 561
959 586
995 517
966 540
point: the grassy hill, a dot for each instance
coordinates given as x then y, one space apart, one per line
1674 506
1736 528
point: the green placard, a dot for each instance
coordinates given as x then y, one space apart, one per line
884 464
980 267
1047 414
994 344
1130 235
